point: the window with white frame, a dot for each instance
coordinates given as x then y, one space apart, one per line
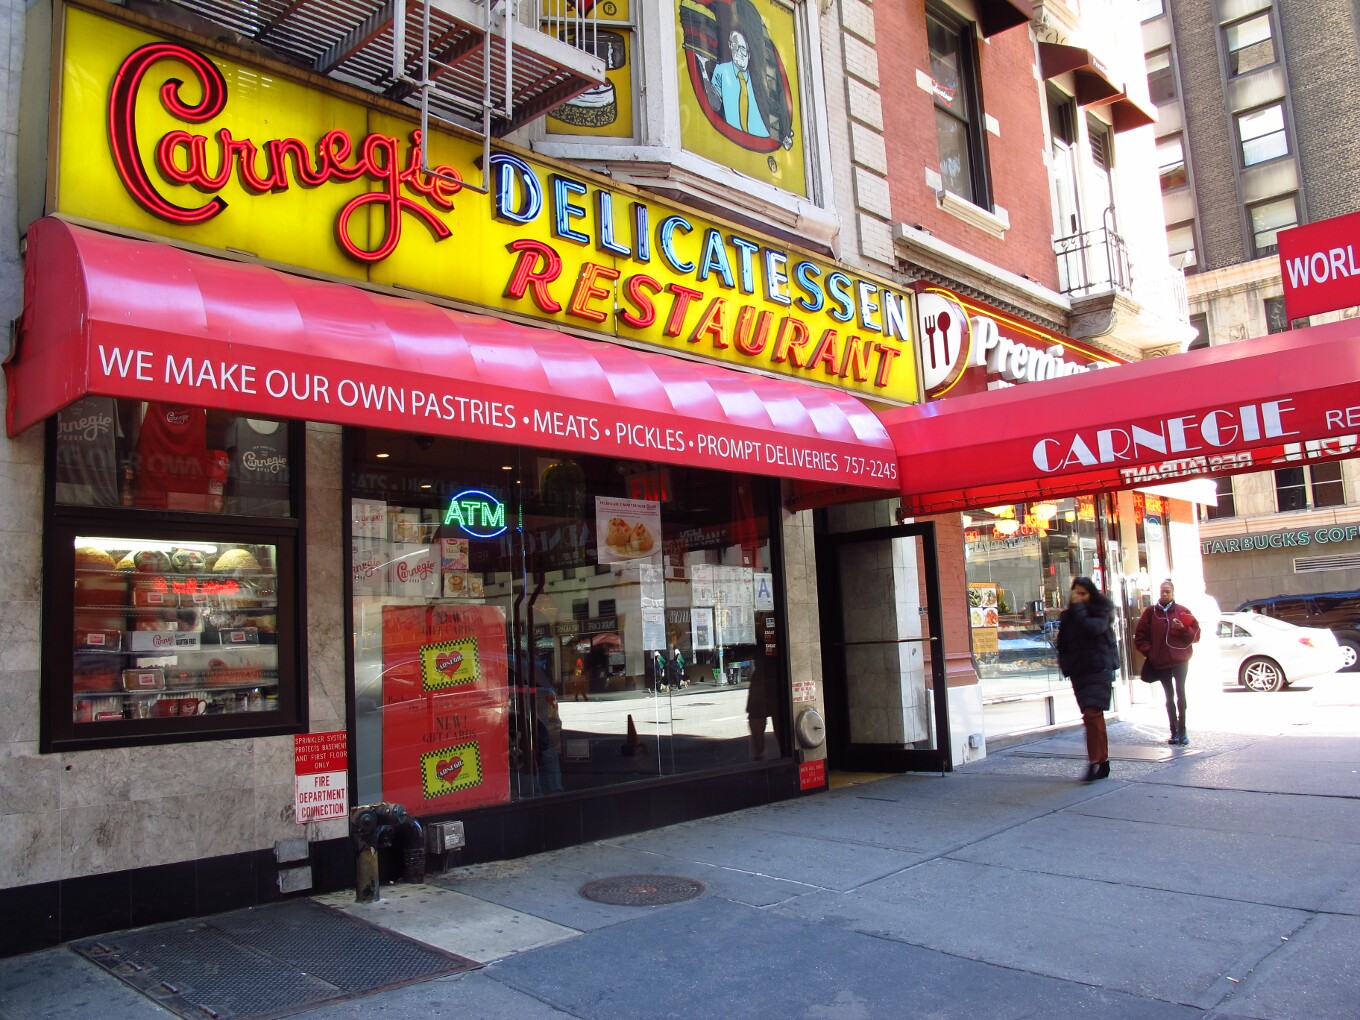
1268 219
1171 163
1149 9
1161 76
1262 135
1250 44
1180 244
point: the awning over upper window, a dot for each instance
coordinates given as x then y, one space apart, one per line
1273 402
1128 113
997 16
123 318
1093 82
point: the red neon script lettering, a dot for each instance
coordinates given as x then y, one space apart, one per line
182 157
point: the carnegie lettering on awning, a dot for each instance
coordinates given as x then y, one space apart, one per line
1273 402
116 317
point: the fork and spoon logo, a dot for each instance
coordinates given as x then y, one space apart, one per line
944 341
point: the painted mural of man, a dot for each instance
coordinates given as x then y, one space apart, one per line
731 91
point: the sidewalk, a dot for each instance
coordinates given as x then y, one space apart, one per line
1221 880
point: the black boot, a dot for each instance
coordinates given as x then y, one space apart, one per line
1104 768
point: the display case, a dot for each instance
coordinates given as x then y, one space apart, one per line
159 631
173 629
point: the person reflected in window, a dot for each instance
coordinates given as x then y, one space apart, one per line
1088 655
1166 635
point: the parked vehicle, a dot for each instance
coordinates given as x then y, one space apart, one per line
1338 611
1264 654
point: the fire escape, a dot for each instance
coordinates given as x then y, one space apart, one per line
492 66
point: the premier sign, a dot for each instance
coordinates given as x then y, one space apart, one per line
1320 266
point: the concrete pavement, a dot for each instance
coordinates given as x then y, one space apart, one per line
1222 880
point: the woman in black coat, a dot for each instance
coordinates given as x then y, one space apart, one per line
1089 655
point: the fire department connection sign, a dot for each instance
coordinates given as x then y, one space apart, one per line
321 768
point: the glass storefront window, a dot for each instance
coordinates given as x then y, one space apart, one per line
173 629
528 623
171 600
1020 561
163 456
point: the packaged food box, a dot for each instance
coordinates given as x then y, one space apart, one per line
166 641
98 639
143 679
154 598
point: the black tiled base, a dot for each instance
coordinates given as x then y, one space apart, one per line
55 912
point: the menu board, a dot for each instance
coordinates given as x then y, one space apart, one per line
984 616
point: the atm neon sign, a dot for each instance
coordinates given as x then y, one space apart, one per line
476 513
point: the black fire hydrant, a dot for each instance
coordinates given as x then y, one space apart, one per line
376 826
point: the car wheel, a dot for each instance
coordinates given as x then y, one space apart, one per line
1261 675
1350 654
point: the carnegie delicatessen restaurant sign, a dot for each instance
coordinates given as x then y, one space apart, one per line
161 138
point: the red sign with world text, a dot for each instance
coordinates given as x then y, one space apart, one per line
1320 266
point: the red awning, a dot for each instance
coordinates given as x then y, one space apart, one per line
116 317
1128 114
1267 403
1091 77
997 16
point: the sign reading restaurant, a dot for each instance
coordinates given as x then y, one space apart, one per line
161 138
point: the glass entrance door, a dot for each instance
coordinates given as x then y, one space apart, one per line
882 653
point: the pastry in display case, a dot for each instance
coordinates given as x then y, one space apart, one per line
173 629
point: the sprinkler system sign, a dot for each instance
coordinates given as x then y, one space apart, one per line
321 770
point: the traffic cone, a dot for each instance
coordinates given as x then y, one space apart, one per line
633 745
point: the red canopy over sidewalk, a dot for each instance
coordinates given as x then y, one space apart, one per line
1248 406
117 317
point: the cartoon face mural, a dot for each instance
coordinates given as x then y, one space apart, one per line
739 59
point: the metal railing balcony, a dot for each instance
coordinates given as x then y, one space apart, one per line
494 65
1093 261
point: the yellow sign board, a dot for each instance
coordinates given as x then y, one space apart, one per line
164 138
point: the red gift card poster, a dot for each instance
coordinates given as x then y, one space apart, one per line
445 708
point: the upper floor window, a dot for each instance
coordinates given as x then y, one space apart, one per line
1201 326
1149 9
1268 219
1262 134
1180 244
1311 487
1227 502
1250 44
1161 76
1171 163
958 114
1277 321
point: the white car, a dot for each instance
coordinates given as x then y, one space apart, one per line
1265 654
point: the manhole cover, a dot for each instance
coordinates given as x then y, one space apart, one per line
641 890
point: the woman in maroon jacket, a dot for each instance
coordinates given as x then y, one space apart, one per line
1166 634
